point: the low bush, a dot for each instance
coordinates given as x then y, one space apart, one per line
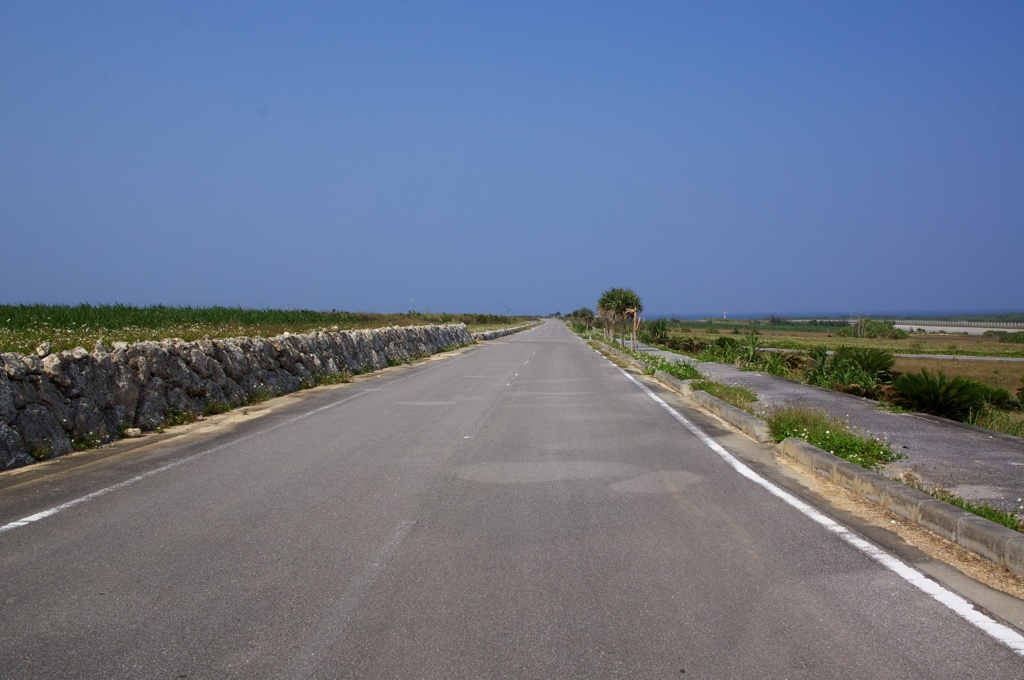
868 328
864 371
1017 337
654 332
723 350
940 395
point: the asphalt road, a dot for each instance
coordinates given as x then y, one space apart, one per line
518 510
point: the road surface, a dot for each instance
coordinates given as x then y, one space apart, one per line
522 509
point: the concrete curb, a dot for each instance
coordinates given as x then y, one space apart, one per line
985 537
750 425
635 363
990 540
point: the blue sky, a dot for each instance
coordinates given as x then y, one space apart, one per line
761 157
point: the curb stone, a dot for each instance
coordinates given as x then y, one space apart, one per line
993 541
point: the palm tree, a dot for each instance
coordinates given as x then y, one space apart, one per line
607 306
618 304
583 316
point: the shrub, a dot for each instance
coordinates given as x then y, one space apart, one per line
941 395
779 363
1012 337
873 361
724 350
863 371
867 328
654 332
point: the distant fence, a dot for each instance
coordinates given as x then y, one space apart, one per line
975 324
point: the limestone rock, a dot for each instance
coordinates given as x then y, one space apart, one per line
44 396
7 409
12 449
41 432
152 407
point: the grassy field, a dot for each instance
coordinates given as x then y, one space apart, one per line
24 327
1006 374
916 343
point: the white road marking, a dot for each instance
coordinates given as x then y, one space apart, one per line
31 519
952 601
335 620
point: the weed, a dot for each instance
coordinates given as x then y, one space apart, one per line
830 434
1011 423
213 408
84 442
1008 519
654 363
737 395
174 418
333 378
258 395
41 454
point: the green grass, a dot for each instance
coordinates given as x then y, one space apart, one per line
24 327
805 344
737 395
830 434
1007 518
997 515
997 420
654 363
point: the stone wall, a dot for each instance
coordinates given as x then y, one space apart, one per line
54 402
502 332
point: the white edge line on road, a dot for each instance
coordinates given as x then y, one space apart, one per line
30 519
951 600
335 619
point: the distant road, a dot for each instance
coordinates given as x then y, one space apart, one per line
522 509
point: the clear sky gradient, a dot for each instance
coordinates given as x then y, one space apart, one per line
760 157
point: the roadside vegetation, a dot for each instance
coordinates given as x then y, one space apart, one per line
777 333
737 395
618 307
868 371
1008 518
990 395
24 327
830 434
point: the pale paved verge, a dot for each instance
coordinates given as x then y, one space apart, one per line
972 462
